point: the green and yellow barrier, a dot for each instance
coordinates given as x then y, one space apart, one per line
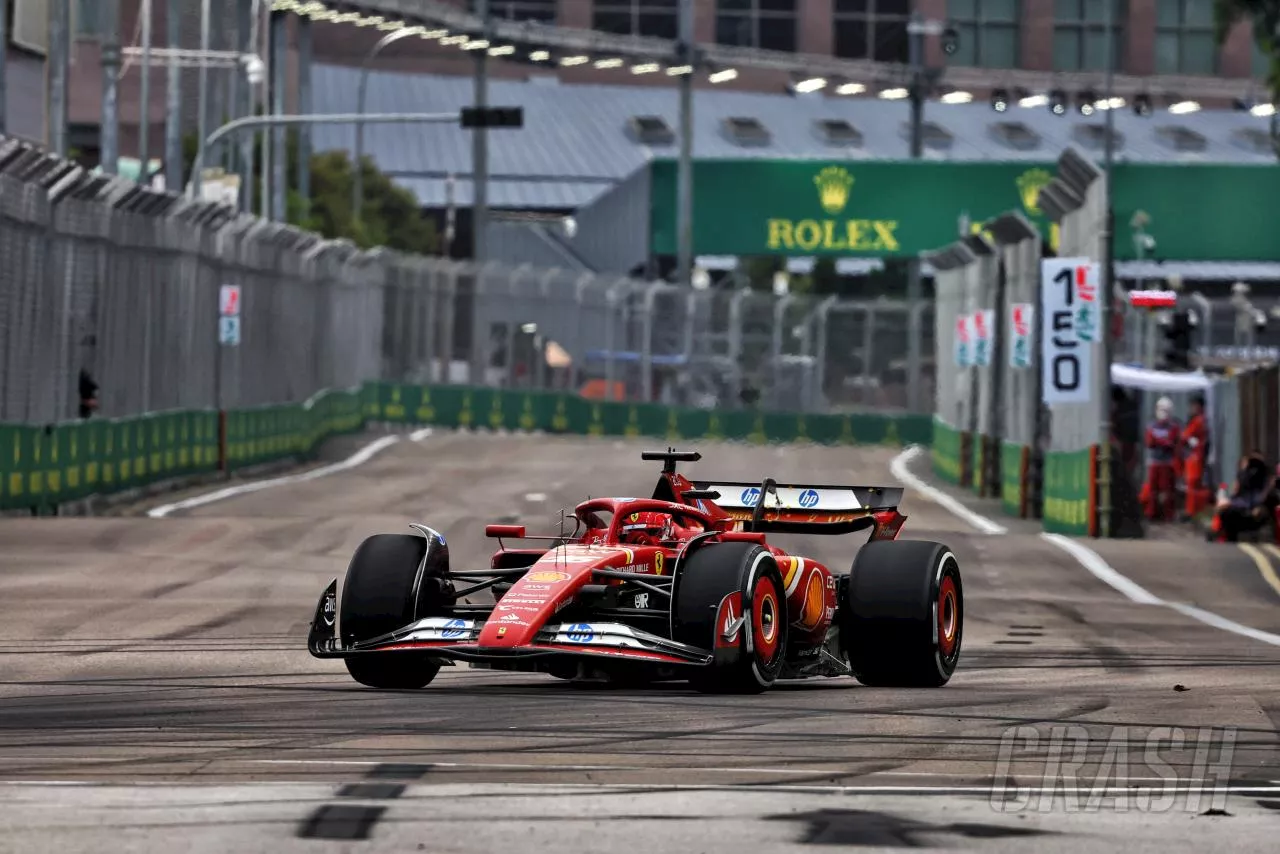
42 467
1014 461
945 449
1069 490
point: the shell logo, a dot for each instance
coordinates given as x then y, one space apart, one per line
815 602
547 575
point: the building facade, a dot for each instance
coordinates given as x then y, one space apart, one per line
1160 39
1163 48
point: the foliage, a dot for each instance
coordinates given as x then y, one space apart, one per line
390 215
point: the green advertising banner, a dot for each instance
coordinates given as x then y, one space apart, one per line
946 451
799 207
1011 477
1066 492
898 208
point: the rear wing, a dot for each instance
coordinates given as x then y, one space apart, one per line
804 508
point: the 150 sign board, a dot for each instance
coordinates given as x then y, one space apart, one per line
1069 328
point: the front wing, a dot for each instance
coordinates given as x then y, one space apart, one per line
456 638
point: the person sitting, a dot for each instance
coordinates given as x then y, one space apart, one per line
1251 507
656 529
645 529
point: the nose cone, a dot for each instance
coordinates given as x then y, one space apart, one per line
547 587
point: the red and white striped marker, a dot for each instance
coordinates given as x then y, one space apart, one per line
1153 299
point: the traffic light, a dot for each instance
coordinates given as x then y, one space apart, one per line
1177 349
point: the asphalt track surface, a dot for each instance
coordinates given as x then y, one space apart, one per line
156 694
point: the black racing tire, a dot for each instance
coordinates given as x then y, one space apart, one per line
377 598
749 662
902 618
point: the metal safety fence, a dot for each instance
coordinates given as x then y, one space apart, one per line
984 422
993 432
112 291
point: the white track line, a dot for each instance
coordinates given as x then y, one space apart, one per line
899 469
359 458
1102 570
1093 562
1085 556
1211 619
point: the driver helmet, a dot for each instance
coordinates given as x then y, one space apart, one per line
646 529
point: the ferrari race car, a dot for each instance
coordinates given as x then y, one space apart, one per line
679 586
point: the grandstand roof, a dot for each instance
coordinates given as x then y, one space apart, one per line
579 139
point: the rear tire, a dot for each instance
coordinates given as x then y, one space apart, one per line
378 597
903 614
723 583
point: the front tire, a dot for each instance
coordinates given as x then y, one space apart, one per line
903 614
379 596
735 586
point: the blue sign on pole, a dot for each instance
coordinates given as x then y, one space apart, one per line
229 331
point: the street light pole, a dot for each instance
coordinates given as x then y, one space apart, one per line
273 121
357 173
4 60
144 109
480 145
109 146
173 100
202 99
1107 297
684 167
916 30
59 68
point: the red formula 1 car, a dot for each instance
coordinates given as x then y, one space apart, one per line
680 586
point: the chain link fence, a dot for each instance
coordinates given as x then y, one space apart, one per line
119 284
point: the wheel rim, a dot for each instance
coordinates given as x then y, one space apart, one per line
948 617
765 619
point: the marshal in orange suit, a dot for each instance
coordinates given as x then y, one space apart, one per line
1195 449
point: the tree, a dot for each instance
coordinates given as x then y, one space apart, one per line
1266 32
389 217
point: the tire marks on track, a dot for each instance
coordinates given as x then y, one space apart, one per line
349 821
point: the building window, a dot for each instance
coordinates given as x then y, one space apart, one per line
543 11
657 18
1185 39
1080 35
988 31
768 24
872 29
